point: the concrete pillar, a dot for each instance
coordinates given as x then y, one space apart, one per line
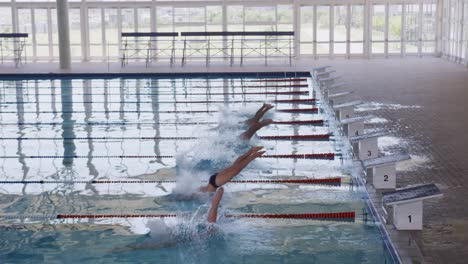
63 34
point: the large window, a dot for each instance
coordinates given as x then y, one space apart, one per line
357 29
379 26
339 28
5 20
307 30
412 28
340 32
323 30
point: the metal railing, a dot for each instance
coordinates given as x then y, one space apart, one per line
12 47
234 47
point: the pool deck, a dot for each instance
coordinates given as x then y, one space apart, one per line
436 130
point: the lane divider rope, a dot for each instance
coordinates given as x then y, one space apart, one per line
326 181
293 122
277 101
349 216
295 110
289 137
190 93
280 80
320 156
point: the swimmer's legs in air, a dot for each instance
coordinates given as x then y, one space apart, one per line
231 171
254 128
259 114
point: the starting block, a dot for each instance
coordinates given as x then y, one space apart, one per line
320 69
354 126
334 86
324 75
365 146
404 207
382 170
328 81
338 98
346 110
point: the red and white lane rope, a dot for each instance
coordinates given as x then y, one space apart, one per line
326 181
317 156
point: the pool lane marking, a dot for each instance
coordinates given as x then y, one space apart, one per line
305 216
325 181
296 110
278 101
318 156
279 80
205 93
292 122
315 137
348 216
293 110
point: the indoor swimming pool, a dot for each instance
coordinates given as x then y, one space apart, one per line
89 166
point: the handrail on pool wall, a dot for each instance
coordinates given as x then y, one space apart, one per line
347 152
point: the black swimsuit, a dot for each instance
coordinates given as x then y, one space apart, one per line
213 181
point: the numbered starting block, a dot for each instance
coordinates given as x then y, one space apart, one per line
354 126
346 110
333 86
404 208
365 146
325 74
328 81
337 98
382 170
320 69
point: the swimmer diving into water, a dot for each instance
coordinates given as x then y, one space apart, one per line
163 237
219 179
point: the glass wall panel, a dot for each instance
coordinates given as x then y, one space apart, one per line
54 32
235 18
25 26
285 18
164 19
340 29
112 29
42 33
143 19
323 29
412 28
75 32
307 30
394 28
214 18
378 29
95 32
357 29
6 25
259 14
429 25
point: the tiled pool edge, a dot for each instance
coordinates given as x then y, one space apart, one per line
372 201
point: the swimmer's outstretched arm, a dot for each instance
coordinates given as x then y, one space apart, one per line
259 114
231 171
213 213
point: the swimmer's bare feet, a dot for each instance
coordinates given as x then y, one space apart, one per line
260 113
254 128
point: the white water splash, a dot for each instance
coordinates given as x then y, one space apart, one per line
374 106
415 163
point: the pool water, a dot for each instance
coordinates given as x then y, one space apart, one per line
70 132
